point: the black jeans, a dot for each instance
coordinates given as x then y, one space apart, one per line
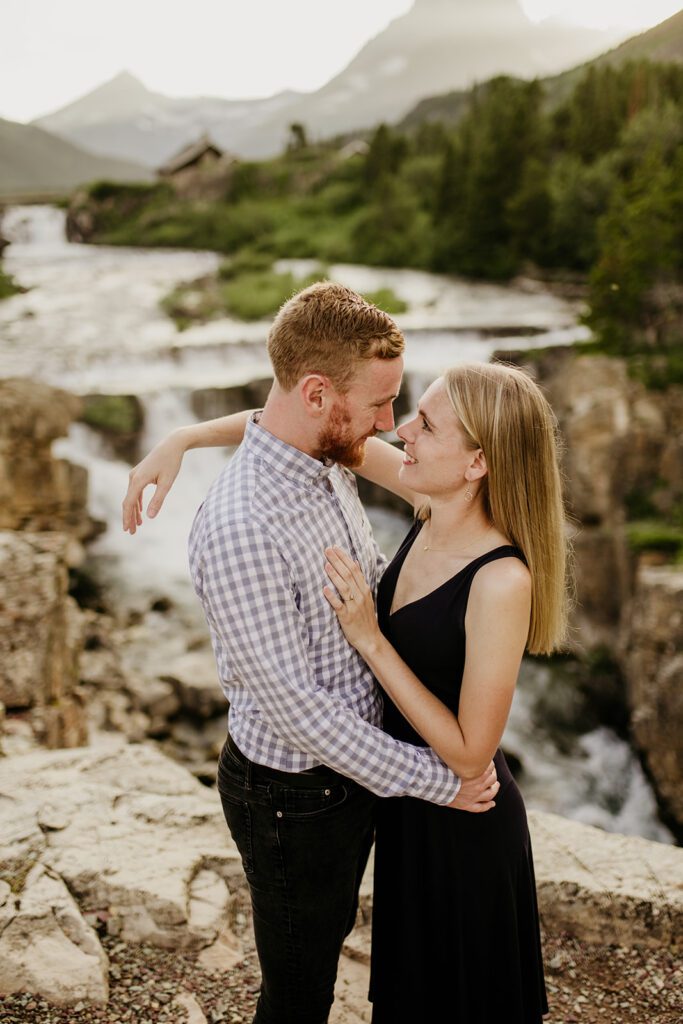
304 839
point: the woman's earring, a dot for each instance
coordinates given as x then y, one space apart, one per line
468 494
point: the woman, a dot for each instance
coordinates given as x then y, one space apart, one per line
479 578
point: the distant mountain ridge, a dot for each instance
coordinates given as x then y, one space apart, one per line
33 161
122 116
663 42
437 46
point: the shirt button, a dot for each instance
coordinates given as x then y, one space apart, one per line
327 792
279 814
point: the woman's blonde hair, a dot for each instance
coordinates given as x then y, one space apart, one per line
504 412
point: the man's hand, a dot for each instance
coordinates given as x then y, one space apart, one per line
160 467
477 795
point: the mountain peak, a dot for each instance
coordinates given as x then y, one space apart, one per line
123 83
492 6
465 17
119 97
126 76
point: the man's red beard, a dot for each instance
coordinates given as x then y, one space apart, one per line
337 442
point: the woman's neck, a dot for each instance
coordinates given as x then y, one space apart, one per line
452 526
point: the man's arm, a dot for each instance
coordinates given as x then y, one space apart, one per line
250 601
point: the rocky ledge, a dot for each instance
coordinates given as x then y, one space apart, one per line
117 835
37 490
597 886
119 841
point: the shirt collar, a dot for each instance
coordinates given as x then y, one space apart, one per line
283 457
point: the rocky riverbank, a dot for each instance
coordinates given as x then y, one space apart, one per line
112 852
623 465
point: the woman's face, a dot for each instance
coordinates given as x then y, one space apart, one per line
436 453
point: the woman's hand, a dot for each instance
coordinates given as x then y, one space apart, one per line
354 604
159 467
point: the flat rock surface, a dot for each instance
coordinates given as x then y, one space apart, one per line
607 888
144 851
133 835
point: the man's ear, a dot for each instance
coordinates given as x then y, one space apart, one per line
315 391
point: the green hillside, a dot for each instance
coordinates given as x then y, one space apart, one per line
591 186
664 42
33 160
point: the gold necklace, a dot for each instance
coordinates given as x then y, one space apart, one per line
446 551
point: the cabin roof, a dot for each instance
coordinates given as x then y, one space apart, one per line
190 154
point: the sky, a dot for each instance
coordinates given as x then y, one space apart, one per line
53 51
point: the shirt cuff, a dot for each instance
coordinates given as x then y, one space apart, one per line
440 785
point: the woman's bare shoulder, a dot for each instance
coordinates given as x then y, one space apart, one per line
502 578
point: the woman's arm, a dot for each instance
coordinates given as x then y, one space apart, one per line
381 465
497 624
162 464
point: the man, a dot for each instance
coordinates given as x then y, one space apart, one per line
306 754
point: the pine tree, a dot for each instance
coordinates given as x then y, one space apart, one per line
639 249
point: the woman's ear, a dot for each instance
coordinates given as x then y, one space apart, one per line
477 468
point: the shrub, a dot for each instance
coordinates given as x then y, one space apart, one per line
258 294
388 300
655 535
113 414
8 286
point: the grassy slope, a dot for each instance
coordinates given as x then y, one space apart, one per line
33 160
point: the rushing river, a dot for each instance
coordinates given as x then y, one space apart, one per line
91 322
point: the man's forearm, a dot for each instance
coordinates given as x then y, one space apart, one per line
224 431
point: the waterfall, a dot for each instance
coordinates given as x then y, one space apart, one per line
91 322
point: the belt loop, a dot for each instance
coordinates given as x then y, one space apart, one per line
247 773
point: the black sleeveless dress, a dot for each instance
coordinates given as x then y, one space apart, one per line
455 932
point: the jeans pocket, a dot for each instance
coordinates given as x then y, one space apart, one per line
230 771
302 804
227 757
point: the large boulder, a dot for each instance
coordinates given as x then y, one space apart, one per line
137 840
40 637
606 888
652 658
603 888
46 946
623 441
622 460
603 567
38 491
623 463
194 679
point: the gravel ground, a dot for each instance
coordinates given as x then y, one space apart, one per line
144 980
586 985
610 985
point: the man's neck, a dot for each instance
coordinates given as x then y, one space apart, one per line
279 420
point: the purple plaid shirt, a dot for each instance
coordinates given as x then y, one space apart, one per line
299 694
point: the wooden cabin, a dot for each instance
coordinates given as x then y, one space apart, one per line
198 170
